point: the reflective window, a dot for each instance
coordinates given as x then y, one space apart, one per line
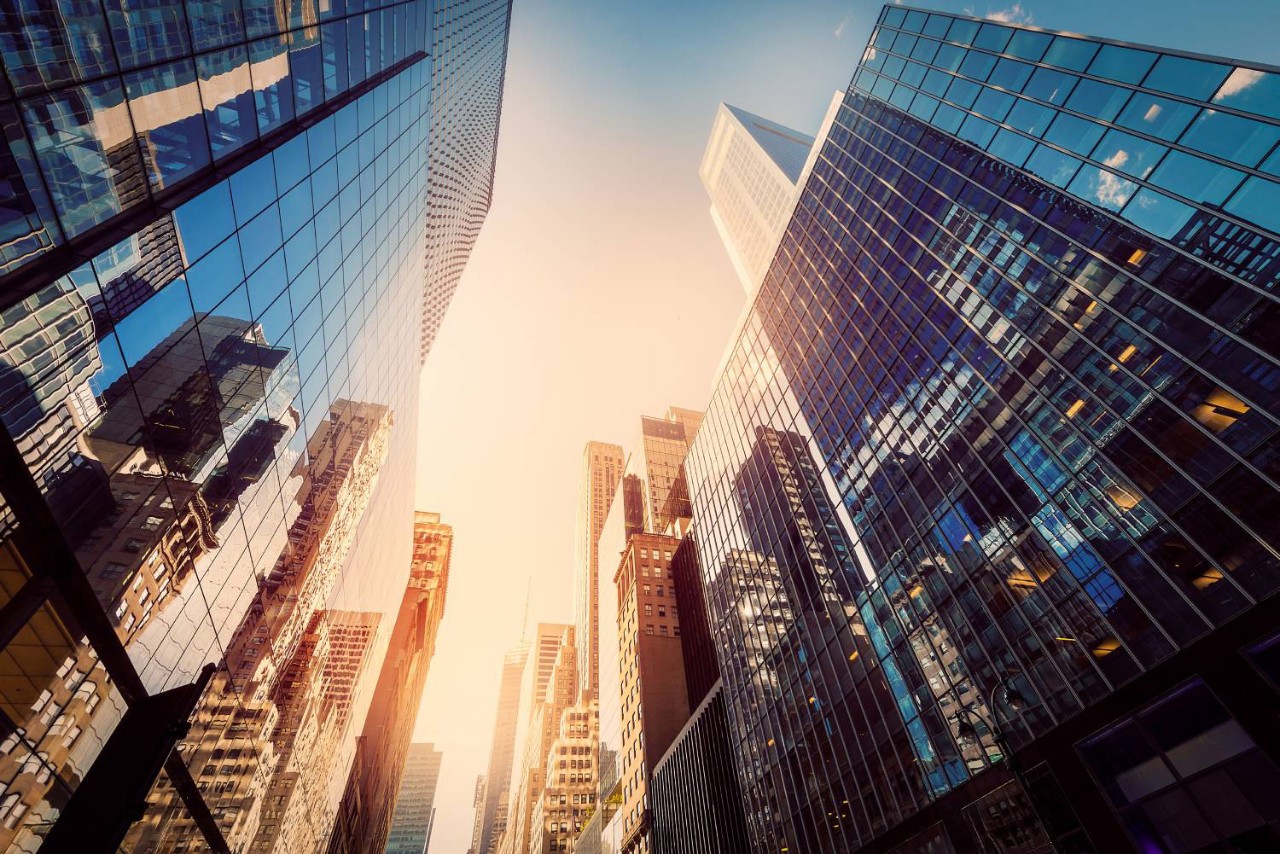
1069 53
1184 776
1129 154
1052 165
1010 74
1049 85
86 153
1073 133
1231 137
1190 78
164 103
226 90
1098 100
1011 147
1029 45
147 31
1258 201
1197 179
1122 63
1157 213
1251 91
1157 116
1030 117
1102 187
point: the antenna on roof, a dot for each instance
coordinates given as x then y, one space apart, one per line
524 622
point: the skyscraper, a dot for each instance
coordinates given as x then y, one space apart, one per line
642 698
502 750
213 264
468 72
415 810
753 169
602 465
992 453
548 687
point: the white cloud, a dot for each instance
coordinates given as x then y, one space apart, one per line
1015 14
843 23
1240 79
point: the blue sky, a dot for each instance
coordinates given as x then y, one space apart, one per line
599 290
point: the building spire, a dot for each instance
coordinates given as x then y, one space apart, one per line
524 621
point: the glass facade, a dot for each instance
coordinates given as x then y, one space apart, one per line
111 108
1003 414
469 61
213 265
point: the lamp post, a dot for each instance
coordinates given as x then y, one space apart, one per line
1006 695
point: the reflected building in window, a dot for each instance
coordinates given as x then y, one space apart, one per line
989 455
415 810
369 802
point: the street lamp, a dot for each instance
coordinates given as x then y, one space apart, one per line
1006 694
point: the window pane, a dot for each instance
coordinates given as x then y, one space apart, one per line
1073 133
1029 117
1156 116
1258 201
272 89
169 119
1190 78
226 89
1129 154
1029 45
1251 91
1051 86
147 31
1157 213
1053 166
1196 178
1010 74
1099 100
1122 63
1070 53
1103 188
93 170
214 23
1231 137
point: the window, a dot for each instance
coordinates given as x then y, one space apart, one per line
1185 765
648 629
133 545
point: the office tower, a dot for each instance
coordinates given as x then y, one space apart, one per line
216 254
992 451
548 687
477 823
468 71
415 810
655 701
493 818
753 170
647 514
694 796
602 465
659 453
369 800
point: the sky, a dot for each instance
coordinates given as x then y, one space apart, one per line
599 290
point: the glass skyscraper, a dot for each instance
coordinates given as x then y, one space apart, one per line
989 483
212 268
